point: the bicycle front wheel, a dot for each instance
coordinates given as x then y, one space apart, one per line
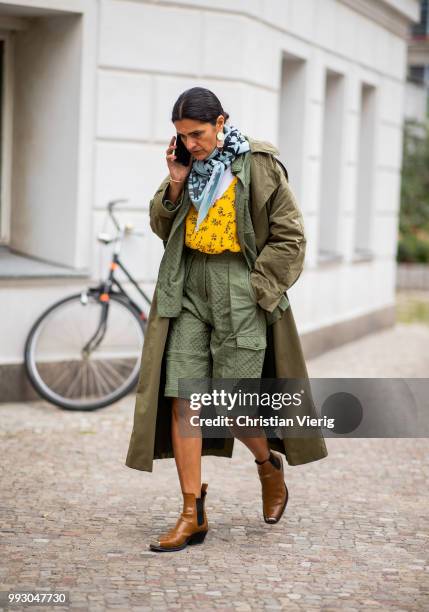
83 353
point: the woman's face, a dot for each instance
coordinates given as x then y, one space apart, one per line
199 137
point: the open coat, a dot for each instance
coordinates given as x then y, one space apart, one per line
271 234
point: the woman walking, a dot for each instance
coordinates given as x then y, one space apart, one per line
234 243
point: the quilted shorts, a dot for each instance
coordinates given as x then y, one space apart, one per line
221 330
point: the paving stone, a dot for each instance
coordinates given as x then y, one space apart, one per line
354 535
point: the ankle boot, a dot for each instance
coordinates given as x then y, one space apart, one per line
191 526
274 491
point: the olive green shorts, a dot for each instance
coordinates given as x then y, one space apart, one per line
221 330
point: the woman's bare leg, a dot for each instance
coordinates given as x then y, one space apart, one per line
258 446
186 448
255 440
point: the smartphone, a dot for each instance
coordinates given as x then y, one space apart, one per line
182 154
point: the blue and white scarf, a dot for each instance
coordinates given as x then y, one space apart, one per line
206 174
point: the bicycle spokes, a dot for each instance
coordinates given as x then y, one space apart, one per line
85 353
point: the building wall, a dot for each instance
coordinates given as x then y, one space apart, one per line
140 77
144 54
416 102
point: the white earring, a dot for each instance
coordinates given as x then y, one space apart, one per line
220 136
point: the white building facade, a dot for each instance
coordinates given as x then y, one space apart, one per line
417 91
87 92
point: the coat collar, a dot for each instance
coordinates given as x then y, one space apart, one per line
256 146
265 179
261 146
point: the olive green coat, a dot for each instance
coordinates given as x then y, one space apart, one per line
271 234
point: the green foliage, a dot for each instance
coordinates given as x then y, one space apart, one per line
412 249
413 243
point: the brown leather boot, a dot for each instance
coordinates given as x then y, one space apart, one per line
191 526
274 490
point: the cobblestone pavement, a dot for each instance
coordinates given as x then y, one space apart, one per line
354 536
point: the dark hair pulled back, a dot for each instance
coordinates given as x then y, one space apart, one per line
199 104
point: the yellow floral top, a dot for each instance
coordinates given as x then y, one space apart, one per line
218 231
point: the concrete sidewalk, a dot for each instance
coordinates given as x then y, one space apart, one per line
354 536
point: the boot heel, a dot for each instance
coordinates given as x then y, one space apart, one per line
197 538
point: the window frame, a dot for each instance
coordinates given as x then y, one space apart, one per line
7 137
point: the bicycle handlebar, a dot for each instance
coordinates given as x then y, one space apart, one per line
125 229
110 207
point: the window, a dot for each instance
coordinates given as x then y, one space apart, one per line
291 119
416 74
5 137
329 213
421 29
365 173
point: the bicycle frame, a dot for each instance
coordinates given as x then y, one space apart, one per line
112 285
113 282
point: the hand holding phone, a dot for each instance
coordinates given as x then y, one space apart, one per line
176 159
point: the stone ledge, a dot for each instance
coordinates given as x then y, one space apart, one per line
16 266
332 336
15 386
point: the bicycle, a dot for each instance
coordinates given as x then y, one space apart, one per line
84 351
